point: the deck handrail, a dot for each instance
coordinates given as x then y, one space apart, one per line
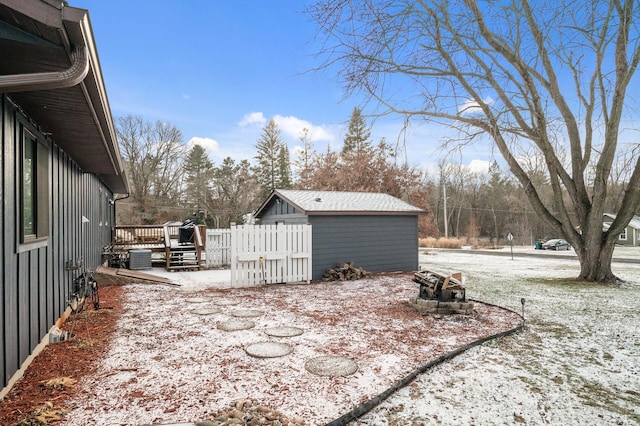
167 238
199 243
131 235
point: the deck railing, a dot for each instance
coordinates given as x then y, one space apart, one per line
135 235
157 238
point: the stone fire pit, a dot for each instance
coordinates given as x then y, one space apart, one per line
440 294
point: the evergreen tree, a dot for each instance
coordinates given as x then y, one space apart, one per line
198 171
285 180
358 134
274 168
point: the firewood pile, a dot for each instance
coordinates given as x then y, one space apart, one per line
345 272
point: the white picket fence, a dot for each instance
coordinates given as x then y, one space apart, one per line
218 248
270 254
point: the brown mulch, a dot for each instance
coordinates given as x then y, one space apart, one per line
49 380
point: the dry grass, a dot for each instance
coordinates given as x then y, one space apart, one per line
454 243
441 242
42 415
59 382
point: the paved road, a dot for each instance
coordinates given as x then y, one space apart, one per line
620 254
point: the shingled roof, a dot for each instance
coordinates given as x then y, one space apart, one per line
634 223
335 202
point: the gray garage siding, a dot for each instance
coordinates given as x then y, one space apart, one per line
283 212
376 243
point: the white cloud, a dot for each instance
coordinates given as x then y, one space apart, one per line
479 166
471 106
253 118
209 145
293 126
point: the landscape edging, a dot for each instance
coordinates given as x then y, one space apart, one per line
370 404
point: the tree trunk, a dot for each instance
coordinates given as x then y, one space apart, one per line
595 262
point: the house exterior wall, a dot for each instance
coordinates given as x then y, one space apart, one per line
629 238
35 284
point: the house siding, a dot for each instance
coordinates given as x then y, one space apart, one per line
381 243
36 285
633 234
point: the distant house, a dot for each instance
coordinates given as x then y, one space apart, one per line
377 231
631 234
61 167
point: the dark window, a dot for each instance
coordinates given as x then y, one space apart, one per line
623 235
101 220
29 189
34 189
106 209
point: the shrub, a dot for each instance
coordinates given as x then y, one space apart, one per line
441 242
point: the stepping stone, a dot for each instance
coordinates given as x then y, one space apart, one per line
206 311
196 300
225 302
268 350
331 366
235 325
284 331
246 313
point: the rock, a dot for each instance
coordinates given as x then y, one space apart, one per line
247 412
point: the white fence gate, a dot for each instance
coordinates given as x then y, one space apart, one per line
270 254
218 248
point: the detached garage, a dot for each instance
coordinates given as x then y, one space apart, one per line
377 231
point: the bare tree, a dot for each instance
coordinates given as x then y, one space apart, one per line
549 79
153 154
235 192
302 164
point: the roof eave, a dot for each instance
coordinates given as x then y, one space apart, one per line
363 213
77 117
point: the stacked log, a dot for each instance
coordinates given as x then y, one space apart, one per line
345 272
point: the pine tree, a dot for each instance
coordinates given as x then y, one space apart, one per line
284 168
358 134
198 171
274 167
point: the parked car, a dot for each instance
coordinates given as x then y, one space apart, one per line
556 244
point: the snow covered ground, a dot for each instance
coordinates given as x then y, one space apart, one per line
577 363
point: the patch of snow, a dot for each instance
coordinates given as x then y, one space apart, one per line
576 363
170 365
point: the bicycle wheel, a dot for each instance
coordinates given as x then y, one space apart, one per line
95 297
78 295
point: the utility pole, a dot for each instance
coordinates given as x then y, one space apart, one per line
446 225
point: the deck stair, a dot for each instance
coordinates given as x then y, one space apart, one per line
181 255
184 256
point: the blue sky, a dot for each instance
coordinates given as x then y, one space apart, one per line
218 70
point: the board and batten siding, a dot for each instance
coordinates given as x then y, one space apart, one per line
35 284
377 243
283 212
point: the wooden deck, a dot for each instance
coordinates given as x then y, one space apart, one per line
163 239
